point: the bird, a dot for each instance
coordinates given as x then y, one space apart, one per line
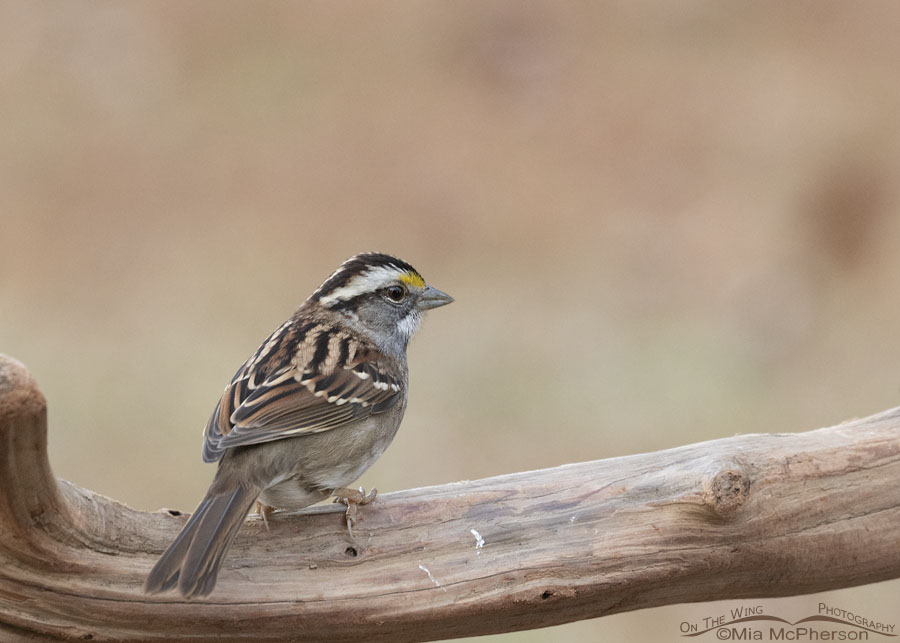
314 407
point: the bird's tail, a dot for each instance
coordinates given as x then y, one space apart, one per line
192 561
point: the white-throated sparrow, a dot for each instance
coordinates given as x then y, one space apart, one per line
308 413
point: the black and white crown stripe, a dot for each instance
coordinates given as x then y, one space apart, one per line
361 275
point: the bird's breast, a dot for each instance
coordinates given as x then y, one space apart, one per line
315 464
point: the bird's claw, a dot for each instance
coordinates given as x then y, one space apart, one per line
353 498
265 511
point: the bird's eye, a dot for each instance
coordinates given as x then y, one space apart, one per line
395 293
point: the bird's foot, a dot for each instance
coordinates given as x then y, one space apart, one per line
353 498
265 511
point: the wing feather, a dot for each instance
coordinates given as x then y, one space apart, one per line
317 390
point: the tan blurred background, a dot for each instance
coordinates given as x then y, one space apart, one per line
662 222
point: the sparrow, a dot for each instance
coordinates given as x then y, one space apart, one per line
312 409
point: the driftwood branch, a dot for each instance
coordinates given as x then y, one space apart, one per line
748 516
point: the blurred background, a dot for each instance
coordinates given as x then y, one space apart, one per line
662 223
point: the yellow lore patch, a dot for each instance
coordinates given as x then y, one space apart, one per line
412 279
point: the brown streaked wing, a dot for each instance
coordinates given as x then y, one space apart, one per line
275 352
283 407
219 422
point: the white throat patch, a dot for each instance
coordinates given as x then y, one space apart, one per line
410 324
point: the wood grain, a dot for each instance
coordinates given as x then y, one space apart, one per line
746 516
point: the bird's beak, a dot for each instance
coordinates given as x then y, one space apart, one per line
432 298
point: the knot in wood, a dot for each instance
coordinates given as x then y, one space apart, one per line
727 491
19 393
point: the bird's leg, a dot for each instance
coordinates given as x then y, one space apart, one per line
265 511
353 498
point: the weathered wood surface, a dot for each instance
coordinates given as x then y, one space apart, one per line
747 516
